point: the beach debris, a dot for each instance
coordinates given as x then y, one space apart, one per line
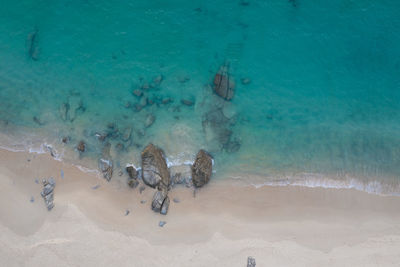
223 84
142 201
158 200
106 167
127 212
95 187
154 167
133 175
48 192
162 223
251 262
187 102
202 168
176 200
81 147
32 199
141 189
245 81
33 49
62 174
150 119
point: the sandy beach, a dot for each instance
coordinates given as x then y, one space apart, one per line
223 224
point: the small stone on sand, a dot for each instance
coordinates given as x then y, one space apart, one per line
95 187
32 199
176 200
162 223
127 212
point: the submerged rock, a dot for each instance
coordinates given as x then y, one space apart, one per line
33 45
223 84
245 81
202 168
150 120
81 146
187 102
106 167
154 167
251 262
137 93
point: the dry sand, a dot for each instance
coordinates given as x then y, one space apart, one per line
225 223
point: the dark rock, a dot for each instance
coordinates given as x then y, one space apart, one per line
48 192
65 139
158 79
64 109
154 167
162 223
137 93
201 169
187 102
142 201
167 100
232 146
106 167
127 212
38 121
245 81
137 107
126 135
176 200
32 199
165 206
81 146
132 172
141 189
158 200
150 120
251 262
223 83
133 183
33 45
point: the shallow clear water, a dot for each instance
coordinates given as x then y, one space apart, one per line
324 95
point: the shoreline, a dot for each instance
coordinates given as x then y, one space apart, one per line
223 224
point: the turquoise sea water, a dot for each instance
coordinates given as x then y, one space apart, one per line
323 97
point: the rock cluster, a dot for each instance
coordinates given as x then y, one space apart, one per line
48 192
106 167
133 175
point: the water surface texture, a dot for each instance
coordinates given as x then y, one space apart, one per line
322 94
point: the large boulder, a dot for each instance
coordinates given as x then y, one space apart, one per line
223 84
201 169
154 168
158 200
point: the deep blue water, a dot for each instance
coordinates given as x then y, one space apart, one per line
323 97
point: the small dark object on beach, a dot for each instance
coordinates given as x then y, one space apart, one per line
81 146
95 187
142 201
141 189
32 199
28 160
251 262
165 206
37 181
176 200
133 183
162 223
132 172
127 212
187 102
62 174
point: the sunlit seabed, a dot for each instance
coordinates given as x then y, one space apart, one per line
322 107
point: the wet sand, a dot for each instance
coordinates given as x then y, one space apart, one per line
225 222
